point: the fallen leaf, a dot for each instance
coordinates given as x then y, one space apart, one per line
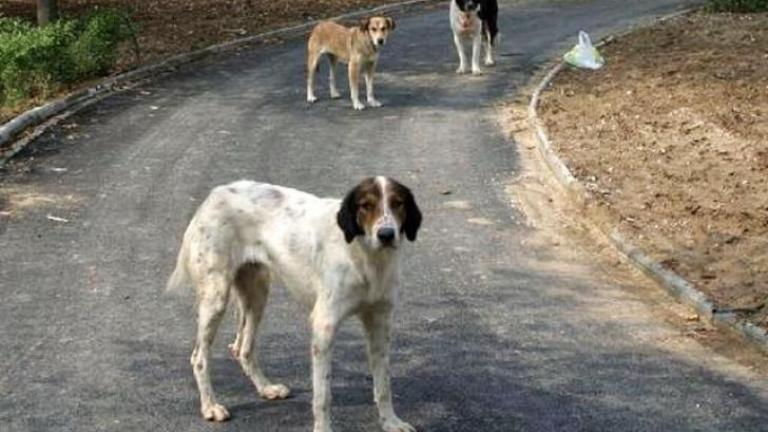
57 219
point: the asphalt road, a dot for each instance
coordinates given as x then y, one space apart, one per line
492 334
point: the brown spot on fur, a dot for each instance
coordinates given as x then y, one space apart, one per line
273 194
404 208
370 205
364 205
397 197
267 194
368 199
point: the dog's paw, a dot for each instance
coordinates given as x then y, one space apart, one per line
335 95
311 99
374 103
322 428
234 350
358 106
489 62
477 71
275 391
394 424
215 412
461 70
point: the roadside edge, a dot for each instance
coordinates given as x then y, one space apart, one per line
671 281
39 119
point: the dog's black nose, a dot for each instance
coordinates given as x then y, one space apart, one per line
380 41
386 235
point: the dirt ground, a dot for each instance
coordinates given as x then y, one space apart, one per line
167 27
173 26
672 138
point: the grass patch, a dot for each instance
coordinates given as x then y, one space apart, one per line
738 5
37 61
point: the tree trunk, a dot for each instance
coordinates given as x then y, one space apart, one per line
47 11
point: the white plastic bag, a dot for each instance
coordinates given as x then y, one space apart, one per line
584 55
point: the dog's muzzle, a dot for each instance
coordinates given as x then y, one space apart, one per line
386 235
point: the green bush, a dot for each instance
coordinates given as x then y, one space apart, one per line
738 5
95 50
34 61
13 25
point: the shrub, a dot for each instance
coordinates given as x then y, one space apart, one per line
738 5
34 61
13 25
95 50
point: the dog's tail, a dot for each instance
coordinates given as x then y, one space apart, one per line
180 276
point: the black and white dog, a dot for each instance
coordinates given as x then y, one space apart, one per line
475 20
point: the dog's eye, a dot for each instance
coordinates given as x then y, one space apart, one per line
367 206
395 204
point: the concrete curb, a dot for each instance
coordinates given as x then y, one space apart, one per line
671 281
51 113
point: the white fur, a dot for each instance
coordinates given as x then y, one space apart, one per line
469 26
246 234
461 33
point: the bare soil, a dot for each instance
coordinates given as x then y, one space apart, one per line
672 138
168 27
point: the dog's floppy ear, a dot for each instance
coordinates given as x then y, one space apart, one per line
364 24
412 214
347 217
391 23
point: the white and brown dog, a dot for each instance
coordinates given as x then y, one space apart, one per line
338 257
475 20
357 46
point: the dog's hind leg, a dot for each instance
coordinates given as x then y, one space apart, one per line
313 58
213 293
252 287
234 347
332 76
490 34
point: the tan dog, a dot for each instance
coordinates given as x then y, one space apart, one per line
356 46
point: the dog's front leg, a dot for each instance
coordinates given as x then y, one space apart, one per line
354 85
462 57
477 40
369 69
377 327
324 326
